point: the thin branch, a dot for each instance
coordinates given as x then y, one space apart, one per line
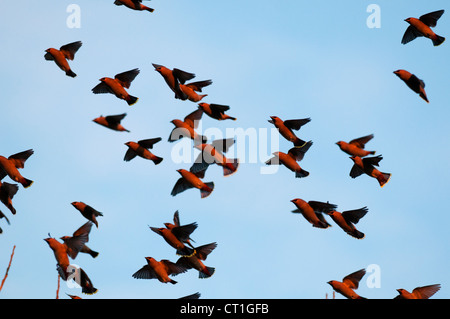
57 290
7 269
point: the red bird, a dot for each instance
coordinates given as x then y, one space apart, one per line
118 85
112 122
413 82
190 90
216 111
66 52
290 159
424 292
192 180
174 78
349 284
160 270
10 166
195 261
133 4
285 128
7 192
367 166
356 146
213 154
422 28
187 128
312 211
141 149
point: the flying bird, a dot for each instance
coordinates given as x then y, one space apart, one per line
216 111
422 28
347 219
349 284
366 166
7 192
413 82
192 180
112 122
290 159
187 128
87 211
195 261
66 272
313 211
134 5
141 148
356 146
77 242
190 90
176 224
213 154
66 52
118 85
160 270
424 292
174 78
10 166
176 237
286 129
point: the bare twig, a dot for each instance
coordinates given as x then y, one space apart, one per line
57 290
7 269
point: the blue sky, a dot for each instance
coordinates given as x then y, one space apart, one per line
293 59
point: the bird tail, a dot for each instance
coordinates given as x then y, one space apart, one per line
438 40
131 100
372 153
424 96
173 282
230 167
206 190
301 173
383 178
206 272
227 117
86 284
157 160
299 142
26 182
70 73
148 9
357 234
94 254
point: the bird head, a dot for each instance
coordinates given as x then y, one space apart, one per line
102 79
408 20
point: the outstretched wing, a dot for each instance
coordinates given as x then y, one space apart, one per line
70 49
127 77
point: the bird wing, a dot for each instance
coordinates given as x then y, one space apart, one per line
431 19
375 160
91 211
353 279
183 232
70 49
173 268
180 186
49 57
75 244
148 143
146 272
356 171
193 118
19 159
115 119
322 207
129 155
355 215
410 34
85 229
361 141
100 88
296 124
203 251
2 173
274 161
200 163
197 86
9 189
299 152
184 262
223 145
176 218
4 216
127 77
182 76
426 292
